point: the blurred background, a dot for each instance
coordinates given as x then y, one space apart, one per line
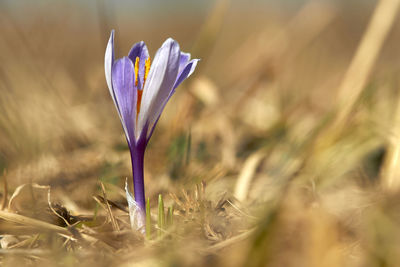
266 85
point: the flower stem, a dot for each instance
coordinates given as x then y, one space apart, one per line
137 157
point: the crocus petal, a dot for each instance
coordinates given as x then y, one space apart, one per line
186 72
183 60
108 63
159 84
139 50
125 92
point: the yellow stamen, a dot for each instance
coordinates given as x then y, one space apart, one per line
136 71
146 68
140 92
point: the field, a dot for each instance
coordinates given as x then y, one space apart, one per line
282 149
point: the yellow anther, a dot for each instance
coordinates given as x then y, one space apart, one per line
140 91
136 71
147 64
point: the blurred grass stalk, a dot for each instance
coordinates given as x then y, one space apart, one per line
246 174
390 172
355 80
210 30
367 53
309 21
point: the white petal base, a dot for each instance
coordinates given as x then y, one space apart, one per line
136 215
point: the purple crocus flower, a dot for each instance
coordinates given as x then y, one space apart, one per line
140 90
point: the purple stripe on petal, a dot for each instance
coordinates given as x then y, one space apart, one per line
139 50
186 72
123 83
108 64
183 60
159 84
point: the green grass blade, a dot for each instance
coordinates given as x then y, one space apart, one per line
148 219
170 219
161 215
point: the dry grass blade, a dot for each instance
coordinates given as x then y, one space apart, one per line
365 57
211 27
177 200
241 211
231 241
108 209
390 171
23 243
246 175
5 193
17 191
111 203
30 252
53 210
312 19
20 219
